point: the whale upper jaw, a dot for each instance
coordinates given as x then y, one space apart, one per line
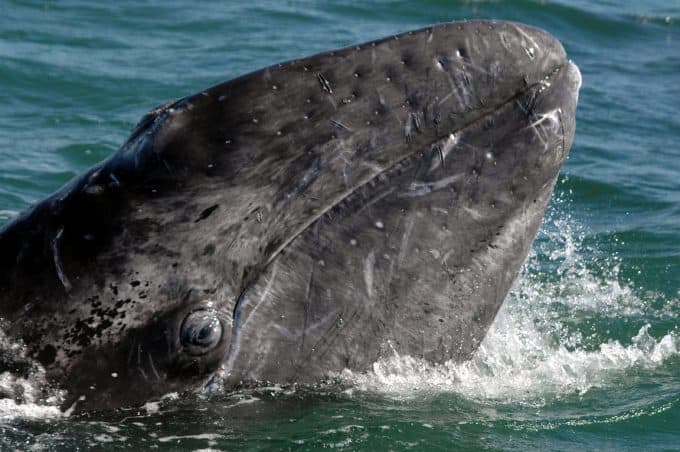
325 211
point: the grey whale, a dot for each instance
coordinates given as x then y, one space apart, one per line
308 217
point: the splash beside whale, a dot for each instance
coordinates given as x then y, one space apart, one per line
299 220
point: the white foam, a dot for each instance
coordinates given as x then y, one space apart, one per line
10 410
8 214
25 395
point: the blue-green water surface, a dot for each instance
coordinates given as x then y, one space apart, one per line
585 352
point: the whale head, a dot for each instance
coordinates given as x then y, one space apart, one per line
309 217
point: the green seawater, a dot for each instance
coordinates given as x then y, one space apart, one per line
585 352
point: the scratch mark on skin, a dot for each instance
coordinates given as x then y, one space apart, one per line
131 354
408 229
559 111
265 294
285 332
325 84
441 156
139 363
422 188
408 128
57 260
375 200
552 117
412 121
328 336
527 37
443 150
522 107
474 214
114 180
153 367
307 308
461 94
143 374
369 263
340 125
345 176
321 323
333 103
446 256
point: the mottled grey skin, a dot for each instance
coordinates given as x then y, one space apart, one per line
313 216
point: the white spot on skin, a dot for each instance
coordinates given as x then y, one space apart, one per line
379 224
353 242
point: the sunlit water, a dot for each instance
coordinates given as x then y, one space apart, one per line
585 351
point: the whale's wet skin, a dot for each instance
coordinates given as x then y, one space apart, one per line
311 217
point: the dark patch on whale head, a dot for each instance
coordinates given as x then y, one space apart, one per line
311 216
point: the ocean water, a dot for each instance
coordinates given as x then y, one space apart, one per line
585 353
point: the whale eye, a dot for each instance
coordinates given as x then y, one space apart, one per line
201 331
